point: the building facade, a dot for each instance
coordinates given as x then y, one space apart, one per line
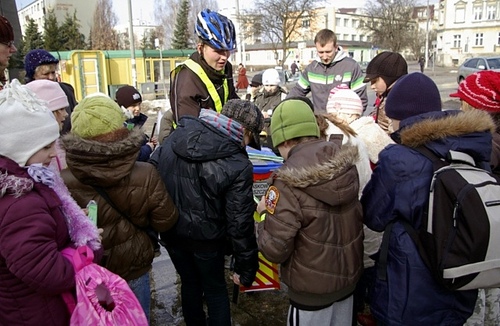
39 9
467 28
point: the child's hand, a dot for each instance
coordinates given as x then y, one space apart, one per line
236 279
154 140
100 231
261 206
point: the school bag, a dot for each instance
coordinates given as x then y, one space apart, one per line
102 297
459 237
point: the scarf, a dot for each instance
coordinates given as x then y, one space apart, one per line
81 230
227 126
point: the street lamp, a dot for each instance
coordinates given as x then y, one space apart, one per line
132 45
159 46
427 36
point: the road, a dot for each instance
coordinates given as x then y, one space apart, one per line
267 307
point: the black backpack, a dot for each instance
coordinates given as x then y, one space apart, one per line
459 237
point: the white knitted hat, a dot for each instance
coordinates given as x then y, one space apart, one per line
271 77
344 100
50 92
26 125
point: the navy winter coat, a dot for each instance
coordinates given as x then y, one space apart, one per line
398 190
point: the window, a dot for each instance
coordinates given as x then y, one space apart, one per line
306 23
459 15
346 37
346 22
457 40
337 21
353 37
479 39
355 23
472 63
477 12
247 56
491 12
498 41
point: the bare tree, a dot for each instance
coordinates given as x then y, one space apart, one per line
390 23
280 20
166 9
102 34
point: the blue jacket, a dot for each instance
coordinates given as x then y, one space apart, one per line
145 151
398 190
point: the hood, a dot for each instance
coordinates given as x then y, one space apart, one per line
102 163
466 131
196 140
14 180
341 54
319 168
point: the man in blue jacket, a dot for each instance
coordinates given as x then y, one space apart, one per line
399 190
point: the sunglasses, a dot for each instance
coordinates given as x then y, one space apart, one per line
9 44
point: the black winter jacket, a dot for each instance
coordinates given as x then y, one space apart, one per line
210 178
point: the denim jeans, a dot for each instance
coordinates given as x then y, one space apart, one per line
140 287
202 276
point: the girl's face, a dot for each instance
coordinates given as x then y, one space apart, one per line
44 155
135 109
60 116
270 88
216 59
378 86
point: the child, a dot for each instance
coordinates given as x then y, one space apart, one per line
38 217
481 91
313 225
101 154
57 102
405 292
271 94
344 109
382 73
205 167
129 99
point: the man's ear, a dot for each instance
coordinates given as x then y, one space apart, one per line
199 47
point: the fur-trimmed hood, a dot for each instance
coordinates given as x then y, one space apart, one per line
320 176
467 131
102 163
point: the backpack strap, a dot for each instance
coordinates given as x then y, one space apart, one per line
151 233
437 162
384 252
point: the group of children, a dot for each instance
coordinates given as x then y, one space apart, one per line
347 181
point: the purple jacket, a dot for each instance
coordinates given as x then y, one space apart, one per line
33 231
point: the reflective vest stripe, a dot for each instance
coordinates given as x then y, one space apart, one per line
198 70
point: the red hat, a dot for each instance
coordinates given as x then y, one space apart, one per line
481 90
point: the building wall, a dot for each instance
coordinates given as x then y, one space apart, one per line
38 9
467 28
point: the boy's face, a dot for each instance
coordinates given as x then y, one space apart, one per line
135 109
378 85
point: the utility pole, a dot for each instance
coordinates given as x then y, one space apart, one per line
427 36
241 43
132 44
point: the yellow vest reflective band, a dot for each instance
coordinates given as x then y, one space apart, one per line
198 70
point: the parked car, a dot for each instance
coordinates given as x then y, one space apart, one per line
472 65
363 66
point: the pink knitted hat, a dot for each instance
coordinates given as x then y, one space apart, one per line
50 92
344 100
481 90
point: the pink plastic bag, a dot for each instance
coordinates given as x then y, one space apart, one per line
102 298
